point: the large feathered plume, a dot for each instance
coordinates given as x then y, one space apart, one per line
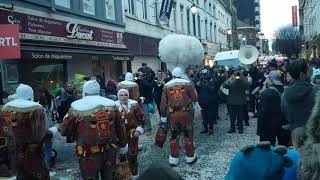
181 50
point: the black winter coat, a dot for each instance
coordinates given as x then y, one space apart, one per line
146 87
270 116
207 92
237 92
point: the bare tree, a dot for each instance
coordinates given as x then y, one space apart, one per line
288 41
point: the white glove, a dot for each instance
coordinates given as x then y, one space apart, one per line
123 150
196 106
286 127
142 100
163 119
54 130
140 129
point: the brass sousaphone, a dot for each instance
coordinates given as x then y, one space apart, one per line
247 55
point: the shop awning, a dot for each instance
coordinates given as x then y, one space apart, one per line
69 52
48 68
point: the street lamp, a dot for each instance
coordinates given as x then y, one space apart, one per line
229 33
194 11
244 40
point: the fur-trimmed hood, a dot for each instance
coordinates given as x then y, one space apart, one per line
309 167
313 124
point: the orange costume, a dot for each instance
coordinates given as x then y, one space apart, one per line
177 105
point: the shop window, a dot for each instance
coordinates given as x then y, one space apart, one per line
89 7
132 7
63 3
12 73
110 9
145 9
43 73
182 18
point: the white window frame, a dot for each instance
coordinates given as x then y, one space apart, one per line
93 5
132 7
182 17
144 9
63 3
113 15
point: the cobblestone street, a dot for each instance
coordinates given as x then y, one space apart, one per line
214 152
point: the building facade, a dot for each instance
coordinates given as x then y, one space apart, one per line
249 12
310 27
60 38
144 29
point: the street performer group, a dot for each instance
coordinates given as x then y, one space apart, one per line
106 132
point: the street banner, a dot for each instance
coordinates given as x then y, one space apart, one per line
165 10
294 16
9 41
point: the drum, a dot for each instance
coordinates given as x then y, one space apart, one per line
256 92
223 93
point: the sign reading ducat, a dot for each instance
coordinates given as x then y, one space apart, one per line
74 30
53 30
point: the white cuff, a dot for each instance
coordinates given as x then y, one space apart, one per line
173 160
190 159
163 119
53 130
140 129
124 150
135 177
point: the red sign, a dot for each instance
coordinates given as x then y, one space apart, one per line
9 41
294 16
52 30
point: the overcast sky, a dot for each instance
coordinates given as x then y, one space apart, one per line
274 14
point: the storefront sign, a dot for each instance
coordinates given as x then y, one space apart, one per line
57 56
46 29
121 58
73 29
9 42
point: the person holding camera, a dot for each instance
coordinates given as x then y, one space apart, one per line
207 91
146 84
237 85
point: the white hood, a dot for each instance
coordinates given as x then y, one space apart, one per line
90 102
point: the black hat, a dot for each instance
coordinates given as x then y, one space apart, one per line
273 63
160 172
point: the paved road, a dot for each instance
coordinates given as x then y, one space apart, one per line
214 152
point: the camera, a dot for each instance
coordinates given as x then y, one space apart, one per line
237 75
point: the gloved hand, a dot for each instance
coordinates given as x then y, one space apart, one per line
196 107
164 122
286 127
141 99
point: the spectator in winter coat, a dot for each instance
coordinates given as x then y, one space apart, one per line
315 78
309 166
67 97
257 81
270 116
208 99
111 90
237 98
299 98
146 86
